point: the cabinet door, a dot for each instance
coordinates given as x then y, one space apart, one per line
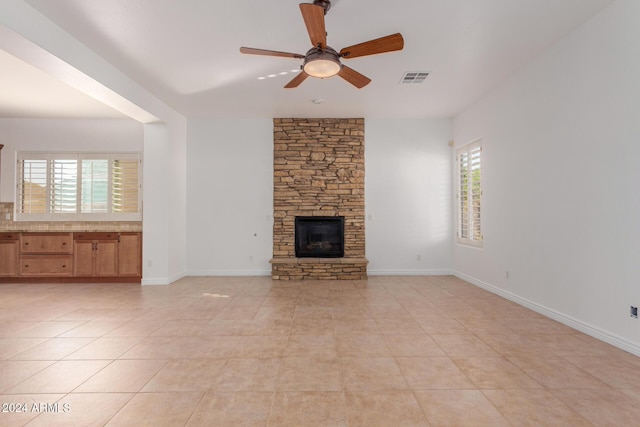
106 258
83 258
130 254
8 258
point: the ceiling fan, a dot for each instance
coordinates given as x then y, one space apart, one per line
322 61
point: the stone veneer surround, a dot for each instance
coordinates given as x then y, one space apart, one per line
318 170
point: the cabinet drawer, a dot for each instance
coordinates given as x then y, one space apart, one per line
46 243
46 265
9 236
95 235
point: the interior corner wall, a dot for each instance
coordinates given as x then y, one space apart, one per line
177 203
164 209
156 199
560 175
229 197
408 199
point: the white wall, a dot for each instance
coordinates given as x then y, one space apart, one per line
95 135
229 197
561 202
408 196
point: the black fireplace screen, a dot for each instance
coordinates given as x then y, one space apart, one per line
319 236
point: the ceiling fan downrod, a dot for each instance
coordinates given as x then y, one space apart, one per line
325 4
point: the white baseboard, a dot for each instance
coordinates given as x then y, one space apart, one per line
586 328
155 281
371 272
229 273
163 280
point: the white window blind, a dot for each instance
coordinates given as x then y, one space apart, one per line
32 187
78 186
469 193
63 188
125 188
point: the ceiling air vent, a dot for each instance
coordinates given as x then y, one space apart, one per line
414 77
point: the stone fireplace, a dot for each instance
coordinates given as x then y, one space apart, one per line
318 169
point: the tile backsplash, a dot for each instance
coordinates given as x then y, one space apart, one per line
8 224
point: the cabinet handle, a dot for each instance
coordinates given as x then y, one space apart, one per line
26 243
64 265
26 265
64 243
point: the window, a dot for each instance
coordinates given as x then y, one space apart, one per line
469 193
76 187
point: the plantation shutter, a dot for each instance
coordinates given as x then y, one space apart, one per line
32 187
95 186
463 195
469 193
79 186
63 186
476 192
125 185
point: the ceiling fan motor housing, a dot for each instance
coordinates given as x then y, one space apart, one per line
322 62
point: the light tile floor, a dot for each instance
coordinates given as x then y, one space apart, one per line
211 351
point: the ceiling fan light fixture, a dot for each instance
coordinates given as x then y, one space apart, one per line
322 63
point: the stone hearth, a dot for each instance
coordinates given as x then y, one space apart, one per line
318 169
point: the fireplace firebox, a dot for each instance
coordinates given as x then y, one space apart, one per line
319 236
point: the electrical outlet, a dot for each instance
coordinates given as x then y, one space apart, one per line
633 311
506 274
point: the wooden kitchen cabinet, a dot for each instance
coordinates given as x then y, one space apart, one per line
95 254
130 254
9 254
70 257
46 254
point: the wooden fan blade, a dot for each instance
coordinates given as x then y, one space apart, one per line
302 76
314 20
252 51
372 47
354 77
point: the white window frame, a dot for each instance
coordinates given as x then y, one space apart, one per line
469 223
77 215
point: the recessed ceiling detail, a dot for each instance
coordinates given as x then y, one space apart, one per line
414 77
